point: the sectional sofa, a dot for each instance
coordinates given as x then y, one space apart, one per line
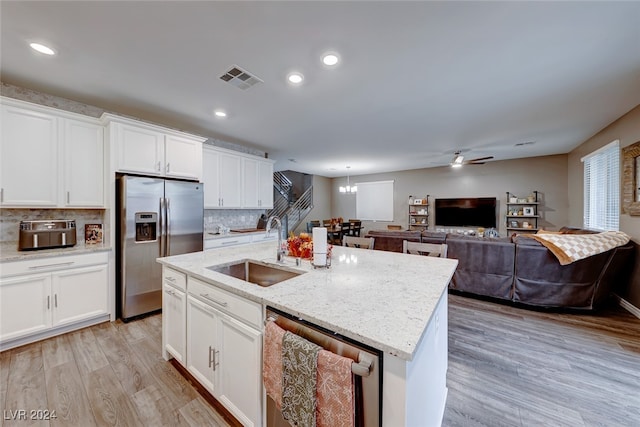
522 270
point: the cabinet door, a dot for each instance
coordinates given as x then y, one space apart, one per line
25 305
28 158
139 149
265 184
230 179
251 196
210 159
79 294
201 339
183 157
239 370
174 315
83 164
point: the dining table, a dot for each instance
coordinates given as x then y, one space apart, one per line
336 232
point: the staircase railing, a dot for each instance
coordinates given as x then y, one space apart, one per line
300 209
282 184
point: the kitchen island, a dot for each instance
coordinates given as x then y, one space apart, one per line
393 302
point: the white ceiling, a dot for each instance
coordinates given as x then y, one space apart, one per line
418 80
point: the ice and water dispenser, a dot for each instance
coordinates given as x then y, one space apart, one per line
146 226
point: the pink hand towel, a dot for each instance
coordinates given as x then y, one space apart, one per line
272 365
334 391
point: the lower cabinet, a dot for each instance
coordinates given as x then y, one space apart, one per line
223 353
174 322
41 298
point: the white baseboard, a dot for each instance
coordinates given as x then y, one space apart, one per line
629 307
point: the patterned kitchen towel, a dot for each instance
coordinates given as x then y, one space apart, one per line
335 391
299 371
272 364
569 248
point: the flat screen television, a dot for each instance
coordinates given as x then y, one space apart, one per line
466 212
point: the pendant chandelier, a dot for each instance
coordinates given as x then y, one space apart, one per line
349 188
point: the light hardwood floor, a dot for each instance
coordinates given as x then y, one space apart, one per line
507 367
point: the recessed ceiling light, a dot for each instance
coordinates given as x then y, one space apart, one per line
42 48
295 78
220 113
330 59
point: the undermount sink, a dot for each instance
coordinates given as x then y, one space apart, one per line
256 272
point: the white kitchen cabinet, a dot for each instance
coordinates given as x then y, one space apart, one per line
230 180
258 183
236 180
139 149
201 342
153 150
43 297
50 158
183 157
79 294
28 157
174 311
239 368
83 164
224 348
25 304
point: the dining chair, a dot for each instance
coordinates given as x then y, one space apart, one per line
358 242
356 226
326 223
427 249
394 227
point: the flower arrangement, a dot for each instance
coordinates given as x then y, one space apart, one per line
301 246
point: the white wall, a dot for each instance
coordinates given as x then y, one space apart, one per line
627 130
546 174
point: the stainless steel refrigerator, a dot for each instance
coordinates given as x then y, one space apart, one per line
155 218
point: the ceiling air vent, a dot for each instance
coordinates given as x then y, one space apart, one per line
240 78
520 144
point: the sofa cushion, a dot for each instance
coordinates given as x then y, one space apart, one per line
485 266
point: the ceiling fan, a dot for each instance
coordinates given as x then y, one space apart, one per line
458 160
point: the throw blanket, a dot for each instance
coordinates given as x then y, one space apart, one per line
335 391
299 371
272 366
569 248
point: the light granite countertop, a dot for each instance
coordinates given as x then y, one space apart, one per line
9 251
382 299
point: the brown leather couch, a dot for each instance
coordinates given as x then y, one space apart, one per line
522 270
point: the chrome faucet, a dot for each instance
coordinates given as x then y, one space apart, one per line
280 253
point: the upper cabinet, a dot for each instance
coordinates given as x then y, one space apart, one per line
153 150
50 158
236 180
258 183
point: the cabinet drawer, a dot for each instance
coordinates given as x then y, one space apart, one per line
227 241
247 311
264 237
174 278
52 263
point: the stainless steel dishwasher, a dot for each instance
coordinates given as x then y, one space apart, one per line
367 369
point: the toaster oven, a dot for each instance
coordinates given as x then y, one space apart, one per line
47 234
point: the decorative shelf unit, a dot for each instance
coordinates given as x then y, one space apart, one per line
522 213
418 213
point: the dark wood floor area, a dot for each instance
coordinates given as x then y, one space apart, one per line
515 367
507 367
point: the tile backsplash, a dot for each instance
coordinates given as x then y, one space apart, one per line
10 220
232 218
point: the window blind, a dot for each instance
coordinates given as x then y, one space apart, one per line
602 188
374 201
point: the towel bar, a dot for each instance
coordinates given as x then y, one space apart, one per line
362 362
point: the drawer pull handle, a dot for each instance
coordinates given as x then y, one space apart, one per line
210 359
229 242
208 298
60 264
171 279
215 361
170 292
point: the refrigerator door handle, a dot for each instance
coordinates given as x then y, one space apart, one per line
167 205
162 231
